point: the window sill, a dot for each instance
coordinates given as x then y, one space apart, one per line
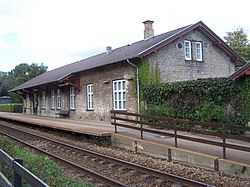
123 110
90 110
72 109
202 61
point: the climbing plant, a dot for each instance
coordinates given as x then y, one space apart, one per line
210 89
147 75
213 100
219 100
244 106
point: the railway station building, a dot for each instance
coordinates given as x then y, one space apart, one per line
90 88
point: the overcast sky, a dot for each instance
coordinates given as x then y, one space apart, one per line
59 32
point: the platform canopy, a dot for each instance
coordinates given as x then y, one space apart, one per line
243 72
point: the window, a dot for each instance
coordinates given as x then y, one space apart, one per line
72 97
53 99
198 47
43 100
187 50
58 99
90 97
119 97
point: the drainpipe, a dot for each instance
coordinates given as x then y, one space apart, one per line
138 87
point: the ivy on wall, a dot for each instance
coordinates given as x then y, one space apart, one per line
245 98
213 100
147 75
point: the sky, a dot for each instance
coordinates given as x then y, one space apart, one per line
59 32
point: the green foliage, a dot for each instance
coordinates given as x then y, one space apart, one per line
214 100
147 75
210 89
239 42
210 112
42 166
14 107
21 73
164 110
156 78
244 106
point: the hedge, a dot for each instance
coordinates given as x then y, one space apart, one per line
13 108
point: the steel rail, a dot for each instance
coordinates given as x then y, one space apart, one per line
137 167
89 172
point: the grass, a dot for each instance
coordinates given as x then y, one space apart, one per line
42 166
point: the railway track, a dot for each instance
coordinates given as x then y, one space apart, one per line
108 170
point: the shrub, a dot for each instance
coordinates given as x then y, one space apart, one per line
210 112
14 107
163 110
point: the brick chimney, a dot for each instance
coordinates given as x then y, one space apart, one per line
149 31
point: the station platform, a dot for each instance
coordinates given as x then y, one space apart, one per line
92 128
189 152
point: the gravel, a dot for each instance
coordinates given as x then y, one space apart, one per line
195 173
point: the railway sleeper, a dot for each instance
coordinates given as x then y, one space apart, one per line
132 171
160 181
93 158
103 162
111 165
68 150
146 176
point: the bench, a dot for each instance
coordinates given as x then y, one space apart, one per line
63 113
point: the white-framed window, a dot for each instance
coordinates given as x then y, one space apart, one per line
119 94
53 99
58 99
187 47
90 94
43 100
198 47
72 97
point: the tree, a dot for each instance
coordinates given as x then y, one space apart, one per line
22 73
239 42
